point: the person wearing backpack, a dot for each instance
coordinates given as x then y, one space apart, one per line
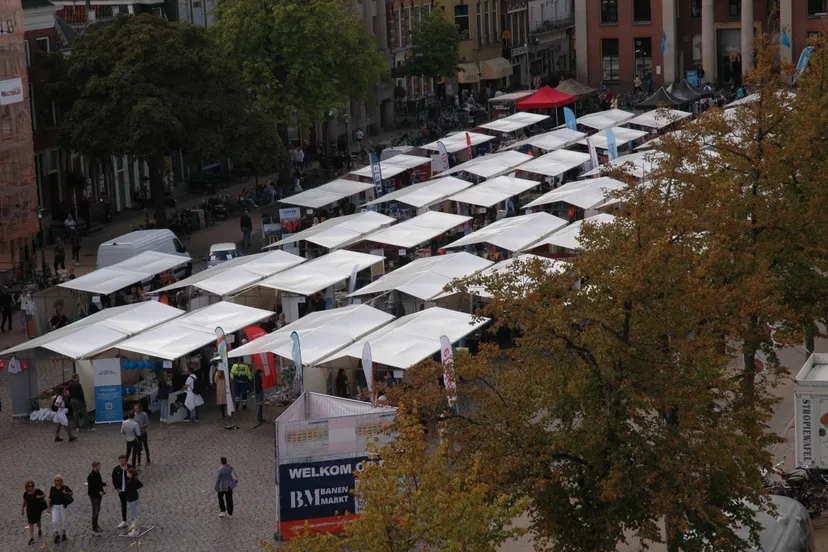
194 387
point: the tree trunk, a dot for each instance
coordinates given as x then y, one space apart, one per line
810 337
672 537
749 357
156 188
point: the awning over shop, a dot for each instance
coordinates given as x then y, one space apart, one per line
550 266
240 273
413 338
101 331
514 233
136 269
321 272
550 141
321 333
417 230
495 68
494 191
570 236
394 165
605 119
468 73
340 231
192 331
585 194
456 141
622 136
556 162
514 122
658 118
328 193
489 166
545 98
425 278
424 193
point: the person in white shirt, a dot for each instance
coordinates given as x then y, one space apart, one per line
300 158
132 432
193 400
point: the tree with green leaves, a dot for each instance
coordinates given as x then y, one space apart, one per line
435 46
148 88
301 58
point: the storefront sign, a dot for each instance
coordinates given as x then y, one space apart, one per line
520 50
109 395
11 91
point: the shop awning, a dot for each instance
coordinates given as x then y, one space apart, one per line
622 136
425 278
513 233
556 162
193 331
136 269
494 191
413 338
321 333
495 68
321 272
545 98
340 231
394 165
605 119
238 274
550 141
101 331
550 266
491 165
417 230
468 73
328 193
569 237
425 193
585 194
456 141
514 122
658 118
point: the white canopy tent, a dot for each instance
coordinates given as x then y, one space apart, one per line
394 165
514 233
456 141
514 122
622 136
556 163
321 333
511 97
641 163
557 139
328 193
413 338
426 193
136 269
340 231
321 273
417 230
605 119
550 266
238 274
101 331
492 192
425 278
585 194
658 118
570 236
192 331
494 164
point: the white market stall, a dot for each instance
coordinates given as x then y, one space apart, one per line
550 141
515 122
339 232
327 194
569 237
494 191
555 163
424 194
637 165
622 137
515 233
489 166
583 194
658 118
140 268
605 119
549 266
398 164
456 141
418 230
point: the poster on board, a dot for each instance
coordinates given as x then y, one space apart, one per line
109 395
290 220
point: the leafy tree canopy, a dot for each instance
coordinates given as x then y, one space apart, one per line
301 57
435 46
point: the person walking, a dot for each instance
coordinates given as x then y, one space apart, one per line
221 392
60 255
76 245
78 401
95 486
240 378
193 400
131 493
60 496
259 390
131 432
119 478
226 481
163 396
5 309
300 157
142 419
247 230
61 417
34 502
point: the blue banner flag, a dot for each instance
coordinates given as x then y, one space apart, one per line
569 117
376 172
786 41
663 42
804 58
612 147
296 353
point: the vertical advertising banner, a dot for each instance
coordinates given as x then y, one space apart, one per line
291 222
319 493
109 395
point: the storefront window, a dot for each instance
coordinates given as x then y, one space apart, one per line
643 57
609 59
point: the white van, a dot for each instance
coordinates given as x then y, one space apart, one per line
127 246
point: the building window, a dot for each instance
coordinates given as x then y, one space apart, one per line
54 114
643 57
461 19
43 45
408 25
734 8
487 30
816 7
695 9
28 53
495 21
479 25
641 11
398 28
609 59
609 11
32 108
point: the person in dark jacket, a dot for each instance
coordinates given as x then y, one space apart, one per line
78 402
60 496
226 481
33 506
5 309
132 486
95 488
163 395
119 478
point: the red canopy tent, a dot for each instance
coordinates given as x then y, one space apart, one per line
546 97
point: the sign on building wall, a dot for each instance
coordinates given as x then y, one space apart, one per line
11 91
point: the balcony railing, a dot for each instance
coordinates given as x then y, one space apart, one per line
539 27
